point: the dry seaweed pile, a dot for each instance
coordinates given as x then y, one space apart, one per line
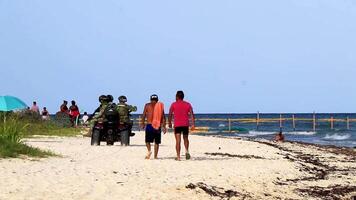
331 192
318 170
234 155
217 191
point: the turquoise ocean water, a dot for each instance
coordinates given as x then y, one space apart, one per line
324 135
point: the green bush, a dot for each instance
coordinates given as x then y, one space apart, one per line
28 116
12 129
62 119
27 124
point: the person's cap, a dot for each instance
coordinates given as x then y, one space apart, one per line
154 97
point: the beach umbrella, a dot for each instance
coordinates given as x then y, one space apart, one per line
9 103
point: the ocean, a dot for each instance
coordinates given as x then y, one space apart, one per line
324 134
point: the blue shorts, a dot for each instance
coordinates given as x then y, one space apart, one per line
152 135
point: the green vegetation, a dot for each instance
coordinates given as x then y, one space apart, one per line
49 128
15 149
16 126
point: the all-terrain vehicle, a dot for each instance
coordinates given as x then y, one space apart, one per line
109 130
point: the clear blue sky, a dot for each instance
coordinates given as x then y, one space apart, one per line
228 56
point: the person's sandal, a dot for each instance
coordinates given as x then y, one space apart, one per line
187 156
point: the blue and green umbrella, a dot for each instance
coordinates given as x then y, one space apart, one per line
10 103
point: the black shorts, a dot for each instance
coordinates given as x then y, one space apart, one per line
152 135
181 130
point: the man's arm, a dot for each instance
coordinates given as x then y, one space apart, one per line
163 120
143 117
170 115
92 115
193 118
132 108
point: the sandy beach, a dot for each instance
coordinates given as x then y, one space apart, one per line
220 168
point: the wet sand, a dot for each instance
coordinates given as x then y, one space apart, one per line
220 168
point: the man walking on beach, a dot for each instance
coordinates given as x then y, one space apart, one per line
156 120
181 111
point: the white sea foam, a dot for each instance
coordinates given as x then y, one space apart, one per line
257 133
337 136
221 125
301 133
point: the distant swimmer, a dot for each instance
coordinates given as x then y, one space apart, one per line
279 137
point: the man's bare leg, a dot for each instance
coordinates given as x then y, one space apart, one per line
156 150
148 156
186 145
178 138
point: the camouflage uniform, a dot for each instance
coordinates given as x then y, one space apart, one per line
124 113
100 117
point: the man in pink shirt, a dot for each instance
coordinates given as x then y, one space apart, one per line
35 108
181 110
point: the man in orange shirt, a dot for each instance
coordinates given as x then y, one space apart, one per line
152 134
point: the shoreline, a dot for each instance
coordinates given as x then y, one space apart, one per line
219 168
260 137
322 146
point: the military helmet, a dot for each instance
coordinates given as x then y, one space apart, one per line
110 98
102 98
122 99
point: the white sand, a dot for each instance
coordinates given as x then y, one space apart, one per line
115 172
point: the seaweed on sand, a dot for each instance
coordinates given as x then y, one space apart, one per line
330 192
217 191
234 155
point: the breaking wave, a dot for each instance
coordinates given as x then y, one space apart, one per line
337 136
257 133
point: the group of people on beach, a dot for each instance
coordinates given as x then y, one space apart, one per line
153 121
72 111
34 108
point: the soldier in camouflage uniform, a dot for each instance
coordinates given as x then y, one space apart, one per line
124 112
99 114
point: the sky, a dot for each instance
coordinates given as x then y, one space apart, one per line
228 56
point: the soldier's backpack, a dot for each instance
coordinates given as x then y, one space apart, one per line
111 113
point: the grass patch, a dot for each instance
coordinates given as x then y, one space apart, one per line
11 149
27 124
13 129
48 128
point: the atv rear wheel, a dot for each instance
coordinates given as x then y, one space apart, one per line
95 137
110 138
125 138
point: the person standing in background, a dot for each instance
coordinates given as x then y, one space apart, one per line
73 112
45 114
35 108
85 119
64 107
